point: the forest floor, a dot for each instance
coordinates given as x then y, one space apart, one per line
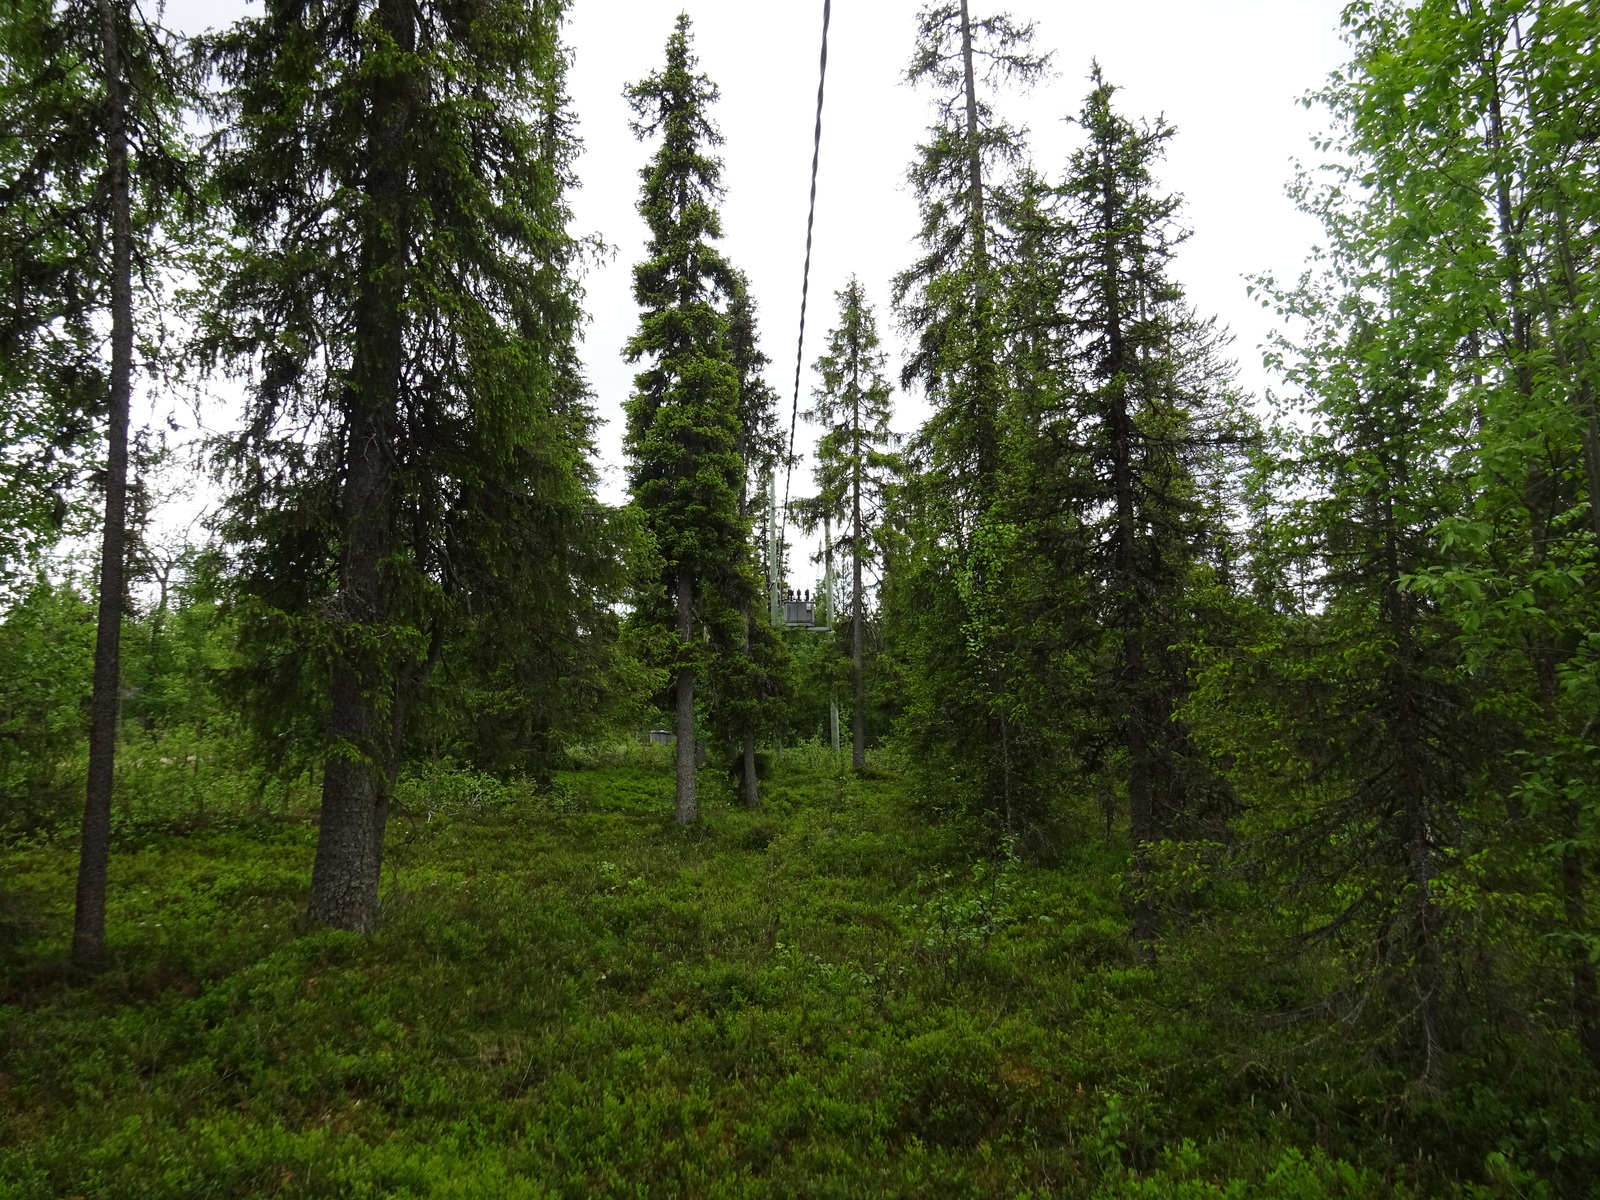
570 996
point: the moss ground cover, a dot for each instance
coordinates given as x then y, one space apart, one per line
570 996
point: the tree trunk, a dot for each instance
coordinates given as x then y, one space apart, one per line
1142 828
858 676
686 797
1007 797
752 793
355 784
1141 801
975 212
89 919
986 398
1585 985
1429 968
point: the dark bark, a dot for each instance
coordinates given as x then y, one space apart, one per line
89 920
685 691
355 788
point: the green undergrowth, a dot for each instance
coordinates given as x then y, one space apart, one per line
571 996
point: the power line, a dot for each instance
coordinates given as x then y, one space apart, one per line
805 278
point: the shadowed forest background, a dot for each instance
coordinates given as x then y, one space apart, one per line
1124 786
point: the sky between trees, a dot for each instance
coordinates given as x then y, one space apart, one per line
1227 73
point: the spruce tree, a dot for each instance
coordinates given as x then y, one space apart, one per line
400 296
1149 420
940 587
93 181
854 466
52 268
683 434
751 684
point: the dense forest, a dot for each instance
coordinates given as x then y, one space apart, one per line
1149 790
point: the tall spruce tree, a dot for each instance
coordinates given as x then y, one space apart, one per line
683 434
940 594
400 294
93 178
1150 420
751 685
854 466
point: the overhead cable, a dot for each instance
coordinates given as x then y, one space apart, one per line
805 277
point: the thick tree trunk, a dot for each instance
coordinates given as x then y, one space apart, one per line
355 783
686 798
89 919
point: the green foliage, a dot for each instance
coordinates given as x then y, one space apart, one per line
55 253
569 995
952 674
1063 541
1420 788
46 657
1316 711
684 430
1295 1176
853 403
495 556
749 690
184 761
854 473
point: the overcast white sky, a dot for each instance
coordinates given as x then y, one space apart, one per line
1227 73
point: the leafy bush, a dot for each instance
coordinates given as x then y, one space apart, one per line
46 662
571 996
1294 1176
